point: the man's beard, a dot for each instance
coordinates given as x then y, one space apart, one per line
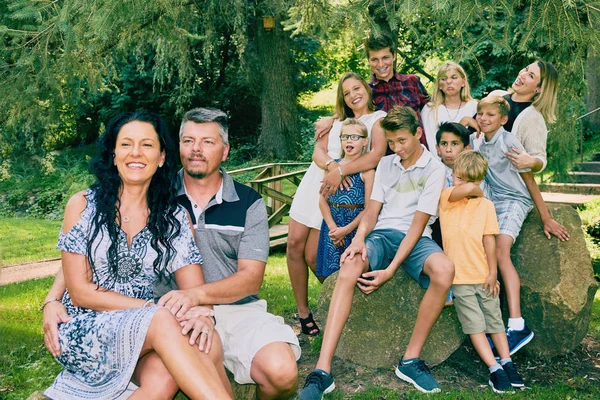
196 175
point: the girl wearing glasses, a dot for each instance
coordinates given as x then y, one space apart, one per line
344 208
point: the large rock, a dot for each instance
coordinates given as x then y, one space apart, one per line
380 324
557 283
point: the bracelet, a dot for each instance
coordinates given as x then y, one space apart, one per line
329 162
341 173
48 301
148 303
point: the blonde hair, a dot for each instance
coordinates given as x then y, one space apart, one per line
439 97
470 165
342 111
498 102
361 127
545 102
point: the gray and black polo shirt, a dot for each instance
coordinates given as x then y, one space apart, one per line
234 225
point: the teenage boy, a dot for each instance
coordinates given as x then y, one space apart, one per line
389 87
469 226
513 192
394 232
452 139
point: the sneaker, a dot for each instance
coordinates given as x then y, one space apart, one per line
518 339
513 375
417 373
317 384
499 382
449 299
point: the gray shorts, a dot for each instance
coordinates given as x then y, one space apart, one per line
382 245
511 215
476 311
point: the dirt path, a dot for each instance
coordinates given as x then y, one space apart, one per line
23 272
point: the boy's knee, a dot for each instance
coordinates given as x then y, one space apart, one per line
351 270
442 272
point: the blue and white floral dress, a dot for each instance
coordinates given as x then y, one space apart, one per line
99 350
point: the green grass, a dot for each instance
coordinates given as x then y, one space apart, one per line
25 365
23 240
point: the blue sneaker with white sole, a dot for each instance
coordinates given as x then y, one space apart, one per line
415 372
518 339
317 384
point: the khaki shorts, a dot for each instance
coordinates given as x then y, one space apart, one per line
476 311
244 330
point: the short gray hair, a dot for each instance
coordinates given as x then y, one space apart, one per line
201 115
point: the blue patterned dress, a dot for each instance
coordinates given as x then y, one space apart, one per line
328 256
99 350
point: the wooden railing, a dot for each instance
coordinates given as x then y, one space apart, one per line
269 183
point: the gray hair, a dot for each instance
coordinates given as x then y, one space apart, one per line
201 115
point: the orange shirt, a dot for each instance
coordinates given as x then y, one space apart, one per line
464 223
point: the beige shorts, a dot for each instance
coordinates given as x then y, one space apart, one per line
244 330
476 311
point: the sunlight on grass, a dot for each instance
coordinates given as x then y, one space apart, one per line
23 240
594 328
323 99
277 291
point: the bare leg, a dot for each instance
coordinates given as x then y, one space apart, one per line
216 355
310 250
483 348
339 308
501 344
441 273
512 283
275 371
191 369
154 380
297 268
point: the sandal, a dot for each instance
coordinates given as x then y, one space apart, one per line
313 329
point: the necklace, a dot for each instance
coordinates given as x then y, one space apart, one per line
457 111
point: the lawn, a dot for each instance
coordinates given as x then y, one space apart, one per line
25 366
23 240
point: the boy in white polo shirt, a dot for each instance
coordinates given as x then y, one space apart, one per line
394 232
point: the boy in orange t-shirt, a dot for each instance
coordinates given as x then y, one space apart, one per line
469 227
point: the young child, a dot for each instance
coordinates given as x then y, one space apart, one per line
452 138
344 209
469 229
513 193
394 232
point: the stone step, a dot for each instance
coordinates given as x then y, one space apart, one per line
585 177
572 199
592 166
577 188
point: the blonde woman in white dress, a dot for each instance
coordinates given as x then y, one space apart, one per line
354 99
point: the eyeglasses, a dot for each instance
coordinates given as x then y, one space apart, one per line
354 138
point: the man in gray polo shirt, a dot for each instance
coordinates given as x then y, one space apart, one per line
232 233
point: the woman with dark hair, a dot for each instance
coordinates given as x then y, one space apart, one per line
354 99
118 239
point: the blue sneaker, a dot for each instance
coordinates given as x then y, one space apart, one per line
518 339
499 382
317 384
415 372
513 375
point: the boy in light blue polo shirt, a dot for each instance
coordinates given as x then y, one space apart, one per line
513 192
394 232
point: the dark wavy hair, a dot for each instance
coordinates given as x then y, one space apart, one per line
161 198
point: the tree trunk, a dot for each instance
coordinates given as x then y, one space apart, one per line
280 128
592 99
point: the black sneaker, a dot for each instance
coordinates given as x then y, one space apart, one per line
513 375
499 382
417 373
317 384
518 339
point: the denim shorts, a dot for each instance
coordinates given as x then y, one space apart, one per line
511 215
382 245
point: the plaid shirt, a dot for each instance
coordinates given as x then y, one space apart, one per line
406 90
